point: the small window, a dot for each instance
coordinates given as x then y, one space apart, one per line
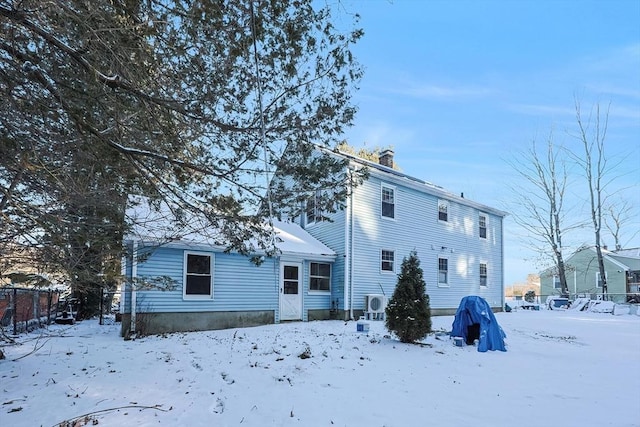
556 282
314 213
198 280
443 210
387 260
482 222
443 271
483 274
388 202
599 279
319 277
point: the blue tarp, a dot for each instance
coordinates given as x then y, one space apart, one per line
474 310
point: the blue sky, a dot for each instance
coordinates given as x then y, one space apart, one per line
459 87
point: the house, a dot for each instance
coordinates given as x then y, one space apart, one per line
190 283
458 241
344 267
622 269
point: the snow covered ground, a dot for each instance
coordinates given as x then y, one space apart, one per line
562 368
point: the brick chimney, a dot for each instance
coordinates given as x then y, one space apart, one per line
386 158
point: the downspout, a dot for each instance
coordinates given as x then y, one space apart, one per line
502 291
351 243
347 244
134 275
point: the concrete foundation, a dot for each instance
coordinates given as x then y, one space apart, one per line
157 323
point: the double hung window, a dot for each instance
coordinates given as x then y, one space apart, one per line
198 275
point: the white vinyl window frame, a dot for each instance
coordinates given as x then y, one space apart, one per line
443 210
194 272
484 275
313 213
317 278
387 261
444 278
556 282
599 280
483 225
388 199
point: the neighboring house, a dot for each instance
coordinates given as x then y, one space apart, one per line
190 284
622 269
459 242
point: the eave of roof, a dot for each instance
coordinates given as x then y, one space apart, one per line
413 182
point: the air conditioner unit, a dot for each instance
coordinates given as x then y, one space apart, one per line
375 305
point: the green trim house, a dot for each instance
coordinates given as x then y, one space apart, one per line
622 269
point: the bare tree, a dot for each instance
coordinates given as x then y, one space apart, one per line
617 216
541 203
592 134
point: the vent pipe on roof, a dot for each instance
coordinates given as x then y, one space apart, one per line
386 158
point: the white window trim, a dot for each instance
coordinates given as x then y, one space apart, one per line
486 226
319 291
553 282
443 202
448 283
185 296
393 270
486 266
316 211
395 201
606 276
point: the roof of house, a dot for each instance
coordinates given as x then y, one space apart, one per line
162 225
626 259
416 183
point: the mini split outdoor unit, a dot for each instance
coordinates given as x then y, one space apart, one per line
375 305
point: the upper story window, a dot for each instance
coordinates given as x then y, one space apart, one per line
443 210
443 271
319 276
198 277
483 274
388 202
556 282
482 224
313 211
387 259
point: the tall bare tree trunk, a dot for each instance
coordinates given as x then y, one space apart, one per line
541 204
592 134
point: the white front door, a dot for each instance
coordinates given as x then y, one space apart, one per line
290 291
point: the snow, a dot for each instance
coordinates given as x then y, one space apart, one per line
565 368
162 225
293 239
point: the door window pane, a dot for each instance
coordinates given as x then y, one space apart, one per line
290 280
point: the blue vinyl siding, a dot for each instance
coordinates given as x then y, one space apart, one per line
313 299
416 226
332 234
238 284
